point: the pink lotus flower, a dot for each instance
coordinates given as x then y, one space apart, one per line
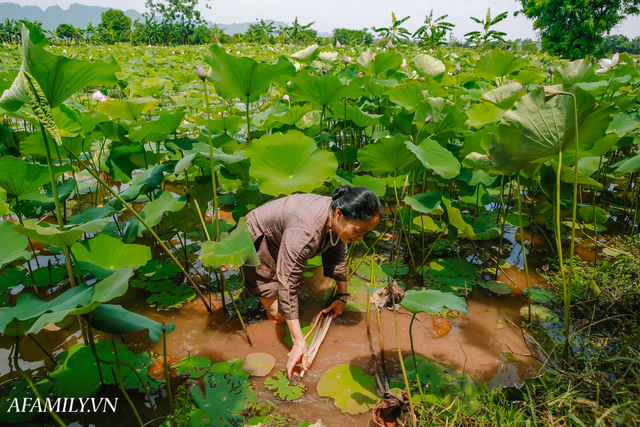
360 74
404 63
338 43
458 68
201 74
285 97
608 64
346 59
99 97
148 45
390 44
550 70
428 119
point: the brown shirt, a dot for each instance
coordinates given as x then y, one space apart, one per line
295 230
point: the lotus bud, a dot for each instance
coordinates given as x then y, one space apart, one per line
458 68
104 99
550 92
360 74
97 96
346 59
338 43
550 70
390 44
163 328
404 63
428 119
148 45
184 93
560 56
285 97
201 74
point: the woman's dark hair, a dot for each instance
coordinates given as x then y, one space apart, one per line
356 203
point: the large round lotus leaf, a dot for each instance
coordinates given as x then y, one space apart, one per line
76 374
428 66
145 182
226 398
430 373
153 285
199 418
447 119
498 63
432 301
231 366
500 288
130 109
57 76
461 392
157 270
19 177
285 163
142 363
153 212
103 255
53 236
18 392
375 64
458 285
174 297
352 388
280 385
504 96
305 327
234 251
157 130
389 156
259 364
540 294
425 202
13 244
435 157
450 267
192 366
44 276
11 278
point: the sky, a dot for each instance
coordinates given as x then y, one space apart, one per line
353 14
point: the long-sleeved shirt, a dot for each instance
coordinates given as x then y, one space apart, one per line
295 230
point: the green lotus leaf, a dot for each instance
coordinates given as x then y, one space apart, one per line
431 374
145 182
540 294
497 287
37 202
280 385
19 177
629 165
305 327
141 364
227 124
504 96
234 250
91 213
153 212
539 314
409 94
435 157
536 131
428 66
231 366
47 276
202 160
281 114
103 255
320 91
57 76
364 269
431 301
157 270
425 202
157 130
259 364
447 119
285 163
498 63
36 35
580 71
587 214
243 77
482 114
372 183
153 285
395 268
450 267
130 109
355 115
530 76
454 217
376 64
353 390
226 398
13 244
461 393
389 156
425 223
53 236
175 297
307 54
192 366
114 319
19 390
11 278
79 363
456 285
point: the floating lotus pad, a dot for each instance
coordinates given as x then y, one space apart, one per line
497 287
226 398
280 385
231 366
540 294
258 364
353 390
19 389
175 297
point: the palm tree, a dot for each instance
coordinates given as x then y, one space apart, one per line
433 33
395 32
482 38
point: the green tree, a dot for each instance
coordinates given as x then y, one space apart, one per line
260 32
575 28
178 18
487 34
434 33
395 32
115 26
352 37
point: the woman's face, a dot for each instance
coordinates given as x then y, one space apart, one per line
351 230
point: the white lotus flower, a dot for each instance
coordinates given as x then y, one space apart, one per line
608 64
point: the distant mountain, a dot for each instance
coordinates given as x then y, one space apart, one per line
80 15
77 15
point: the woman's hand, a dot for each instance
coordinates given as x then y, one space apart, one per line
297 354
337 307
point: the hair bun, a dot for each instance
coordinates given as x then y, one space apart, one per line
340 191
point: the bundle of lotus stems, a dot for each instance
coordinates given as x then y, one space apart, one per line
323 323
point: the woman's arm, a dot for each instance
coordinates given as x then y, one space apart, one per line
337 306
299 351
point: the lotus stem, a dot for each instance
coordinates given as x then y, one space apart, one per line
121 386
216 232
413 353
404 371
376 371
166 367
233 301
33 387
43 349
144 223
248 121
567 303
524 251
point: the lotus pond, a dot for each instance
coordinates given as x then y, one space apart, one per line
126 173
